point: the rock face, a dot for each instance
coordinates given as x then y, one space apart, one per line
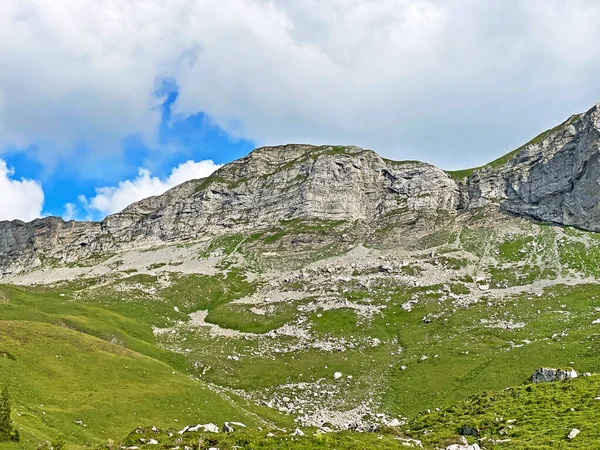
544 375
553 178
272 184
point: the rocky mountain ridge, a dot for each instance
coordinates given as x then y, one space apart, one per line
553 178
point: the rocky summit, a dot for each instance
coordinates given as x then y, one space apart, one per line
319 297
553 178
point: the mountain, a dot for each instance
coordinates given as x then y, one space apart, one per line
553 178
320 288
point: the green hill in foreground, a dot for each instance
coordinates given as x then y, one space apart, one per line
530 416
89 390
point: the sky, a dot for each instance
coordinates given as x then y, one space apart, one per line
106 102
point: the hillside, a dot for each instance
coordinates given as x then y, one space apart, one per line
315 288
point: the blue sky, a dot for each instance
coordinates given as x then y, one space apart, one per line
105 102
82 171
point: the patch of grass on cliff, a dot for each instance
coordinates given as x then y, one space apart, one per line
301 226
459 175
516 249
227 244
504 159
436 239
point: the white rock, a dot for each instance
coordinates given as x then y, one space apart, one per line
463 447
298 432
337 375
574 432
209 427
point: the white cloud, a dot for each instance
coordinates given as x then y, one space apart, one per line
19 199
70 211
452 81
111 199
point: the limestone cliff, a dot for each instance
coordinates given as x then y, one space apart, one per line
553 178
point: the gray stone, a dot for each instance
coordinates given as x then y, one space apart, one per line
545 374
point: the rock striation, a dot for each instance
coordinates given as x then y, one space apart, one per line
553 178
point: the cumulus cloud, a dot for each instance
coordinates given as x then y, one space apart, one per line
70 212
453 81
111 199
19 199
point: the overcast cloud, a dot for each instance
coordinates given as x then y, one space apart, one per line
454 82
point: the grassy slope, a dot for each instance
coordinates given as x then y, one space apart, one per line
58 376
532 416
471 358
154 385
527 416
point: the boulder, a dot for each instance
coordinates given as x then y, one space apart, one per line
209 428
468 430
546 374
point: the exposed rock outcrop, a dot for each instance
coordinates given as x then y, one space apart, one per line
553 178
269 185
